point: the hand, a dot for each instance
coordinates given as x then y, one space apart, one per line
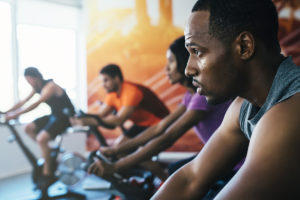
101 169
83 121
10 116
108 151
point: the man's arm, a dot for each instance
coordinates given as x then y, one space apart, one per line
21 103
48 91
164 141
94 119
224 149
147 135
120 117
272 166
178 128
105 110
104 119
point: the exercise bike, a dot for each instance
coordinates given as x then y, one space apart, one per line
135 183
37 165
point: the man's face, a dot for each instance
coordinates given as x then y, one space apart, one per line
109 83
34 82
211 63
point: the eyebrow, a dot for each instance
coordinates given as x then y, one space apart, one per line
191 44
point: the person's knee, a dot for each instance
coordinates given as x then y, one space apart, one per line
30 128
43 138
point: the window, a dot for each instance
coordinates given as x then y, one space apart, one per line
6 70
53 52
53 42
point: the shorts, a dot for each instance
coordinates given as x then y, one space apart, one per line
134 130
53 124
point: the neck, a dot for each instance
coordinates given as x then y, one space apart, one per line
260 77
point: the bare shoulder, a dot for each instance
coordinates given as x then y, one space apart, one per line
231 118
274 150
272 166
49 85
281 124
284 115
279 128
288 106
237 103
52 87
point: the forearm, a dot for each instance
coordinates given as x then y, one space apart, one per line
29 108
102 122
15 107
217 157
161 142
21 103
139 140
102 116
143 154
181 186
110 122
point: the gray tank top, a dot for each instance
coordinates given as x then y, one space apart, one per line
285 84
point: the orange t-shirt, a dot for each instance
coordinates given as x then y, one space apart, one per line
149 108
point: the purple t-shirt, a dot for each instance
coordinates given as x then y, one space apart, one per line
205 128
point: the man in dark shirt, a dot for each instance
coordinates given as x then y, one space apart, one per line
43 129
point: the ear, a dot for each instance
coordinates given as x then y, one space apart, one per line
245 45
117 79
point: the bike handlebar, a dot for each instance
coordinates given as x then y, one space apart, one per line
3 121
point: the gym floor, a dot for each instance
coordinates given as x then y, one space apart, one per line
20 187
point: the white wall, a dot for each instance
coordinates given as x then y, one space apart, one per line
13 160
52 13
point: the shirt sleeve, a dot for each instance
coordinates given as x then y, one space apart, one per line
198 102
132 96
186 99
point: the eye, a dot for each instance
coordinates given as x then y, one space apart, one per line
196 52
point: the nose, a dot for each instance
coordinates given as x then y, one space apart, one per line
191 68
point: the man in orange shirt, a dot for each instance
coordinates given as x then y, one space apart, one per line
131 101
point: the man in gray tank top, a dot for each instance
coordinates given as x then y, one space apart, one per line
235 53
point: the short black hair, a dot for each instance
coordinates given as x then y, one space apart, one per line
228 18
112 70
182 57
33 72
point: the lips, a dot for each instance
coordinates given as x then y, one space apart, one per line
196 83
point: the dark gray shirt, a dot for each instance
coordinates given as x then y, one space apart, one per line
285 84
